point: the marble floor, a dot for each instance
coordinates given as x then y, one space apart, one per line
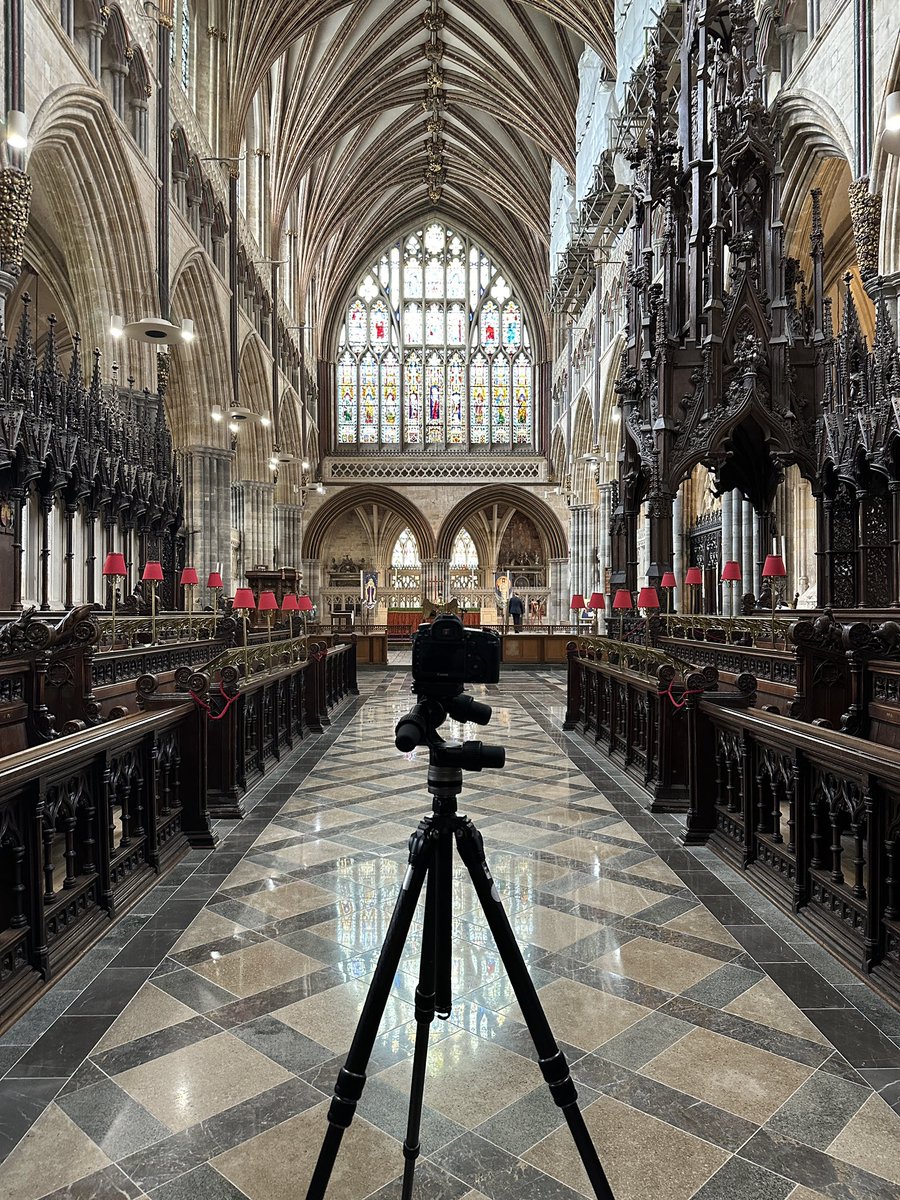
719 1053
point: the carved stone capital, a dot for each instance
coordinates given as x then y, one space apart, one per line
865 216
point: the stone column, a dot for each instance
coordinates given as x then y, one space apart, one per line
118 74
442 578
557 605
95 31
737 548
253 516
206 473
727 544
757 560
678 562
748 562
288 551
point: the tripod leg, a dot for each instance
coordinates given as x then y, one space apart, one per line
551 1059
425 992
352 1076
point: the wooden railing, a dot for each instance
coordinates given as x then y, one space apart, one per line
813 816
256 707
87 825
631 700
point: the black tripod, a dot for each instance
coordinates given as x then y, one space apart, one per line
431 857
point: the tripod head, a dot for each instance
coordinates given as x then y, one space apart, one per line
420 728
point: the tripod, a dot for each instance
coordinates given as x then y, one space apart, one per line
431 860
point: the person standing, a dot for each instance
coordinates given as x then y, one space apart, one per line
516 611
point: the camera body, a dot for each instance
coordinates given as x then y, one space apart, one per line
445 653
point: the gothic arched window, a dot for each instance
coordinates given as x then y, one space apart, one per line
464 552
406 551
180 41
435 351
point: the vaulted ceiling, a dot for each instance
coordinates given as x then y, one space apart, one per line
385 112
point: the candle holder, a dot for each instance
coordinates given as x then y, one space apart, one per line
773 569
576 605
114 568
215 585
648 600
305 606
731 573
622 602
153 573
189 582
693 579
242 602
597 605
268 604
290 606
668 583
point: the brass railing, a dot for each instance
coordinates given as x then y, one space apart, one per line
237 663
748 631
133 633
643 660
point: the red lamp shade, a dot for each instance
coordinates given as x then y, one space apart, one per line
731 572
153 571
774 567
668 580
289 603
243 598
694 577
188 576
115 565
577 602
215 580
597 601
267 602
622 599
648 598
304 604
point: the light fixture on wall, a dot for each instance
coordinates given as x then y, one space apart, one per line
890 135
233 427
216 413
16 130
265 421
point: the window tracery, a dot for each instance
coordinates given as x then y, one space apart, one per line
435 351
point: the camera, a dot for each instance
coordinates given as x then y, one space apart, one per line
445 653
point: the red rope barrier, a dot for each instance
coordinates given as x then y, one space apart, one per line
681 703
229 700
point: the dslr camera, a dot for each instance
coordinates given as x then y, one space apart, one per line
445 653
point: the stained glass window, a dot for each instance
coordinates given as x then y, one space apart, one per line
412 387
456 399
347 398
480 401
522 401
185 43
368 399
434 382
379 324
390 399
435 350
500 422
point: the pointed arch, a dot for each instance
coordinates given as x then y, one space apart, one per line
523 501
199 375
103 224
387 498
